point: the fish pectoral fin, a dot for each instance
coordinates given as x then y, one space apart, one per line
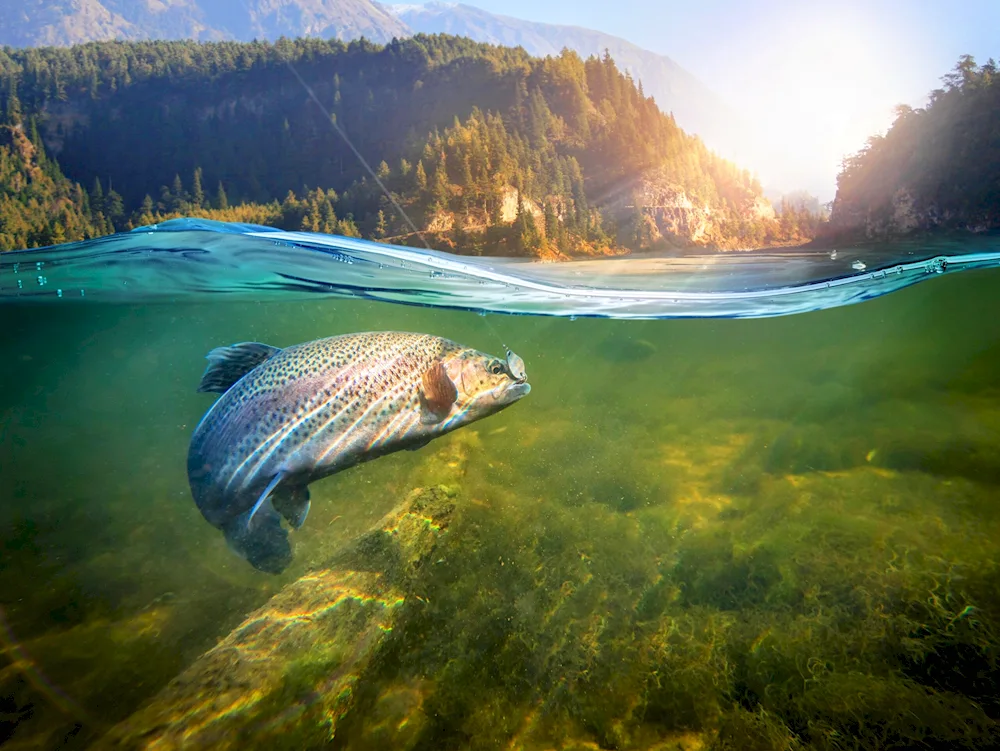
227 365
292 502
437 393
263 497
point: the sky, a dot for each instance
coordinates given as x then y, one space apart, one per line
812 80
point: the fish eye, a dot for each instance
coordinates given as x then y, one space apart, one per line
496 368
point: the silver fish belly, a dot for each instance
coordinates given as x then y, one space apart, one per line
288 417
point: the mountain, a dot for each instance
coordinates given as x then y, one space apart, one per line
33 23
477 148
937 167
675 90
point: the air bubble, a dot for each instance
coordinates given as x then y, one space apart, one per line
58 293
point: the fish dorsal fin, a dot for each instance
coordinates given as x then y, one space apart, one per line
227 365
438 391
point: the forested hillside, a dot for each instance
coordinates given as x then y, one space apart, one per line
470 146
936 167
38 206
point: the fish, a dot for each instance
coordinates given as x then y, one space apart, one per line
289 417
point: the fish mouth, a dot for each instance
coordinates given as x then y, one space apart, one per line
508 393
517 390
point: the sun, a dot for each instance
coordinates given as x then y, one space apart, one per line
812 94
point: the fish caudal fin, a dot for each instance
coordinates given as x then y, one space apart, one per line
258 536
227 365
264 544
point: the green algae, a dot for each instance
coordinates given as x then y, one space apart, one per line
751 534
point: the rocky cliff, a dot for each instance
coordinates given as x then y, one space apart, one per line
671 218
936 168
903 214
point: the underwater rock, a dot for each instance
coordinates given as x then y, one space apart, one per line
287 675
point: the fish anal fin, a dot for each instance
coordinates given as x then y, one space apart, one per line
227 365
417 445
292 502
438 392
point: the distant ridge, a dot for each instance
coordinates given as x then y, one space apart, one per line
696 108
34 23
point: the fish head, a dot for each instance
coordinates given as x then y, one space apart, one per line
485 384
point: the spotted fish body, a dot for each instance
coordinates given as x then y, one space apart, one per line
288 417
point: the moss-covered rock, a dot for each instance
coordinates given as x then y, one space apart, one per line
287 676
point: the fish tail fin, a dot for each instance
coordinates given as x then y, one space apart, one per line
264 544
227 365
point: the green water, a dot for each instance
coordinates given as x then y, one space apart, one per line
764 534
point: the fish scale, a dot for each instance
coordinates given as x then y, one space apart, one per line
289 417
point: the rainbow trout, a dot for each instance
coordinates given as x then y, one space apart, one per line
288 417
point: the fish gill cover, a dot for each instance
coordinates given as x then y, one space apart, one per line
187 259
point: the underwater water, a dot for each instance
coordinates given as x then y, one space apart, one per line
738 531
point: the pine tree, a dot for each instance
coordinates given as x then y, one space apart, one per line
551 224
36 141
197 193
97 199
439 189
114 207
468 185
221 200
12 110
527 238
146 210
420 178
177 195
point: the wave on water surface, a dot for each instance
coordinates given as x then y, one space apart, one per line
195 259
